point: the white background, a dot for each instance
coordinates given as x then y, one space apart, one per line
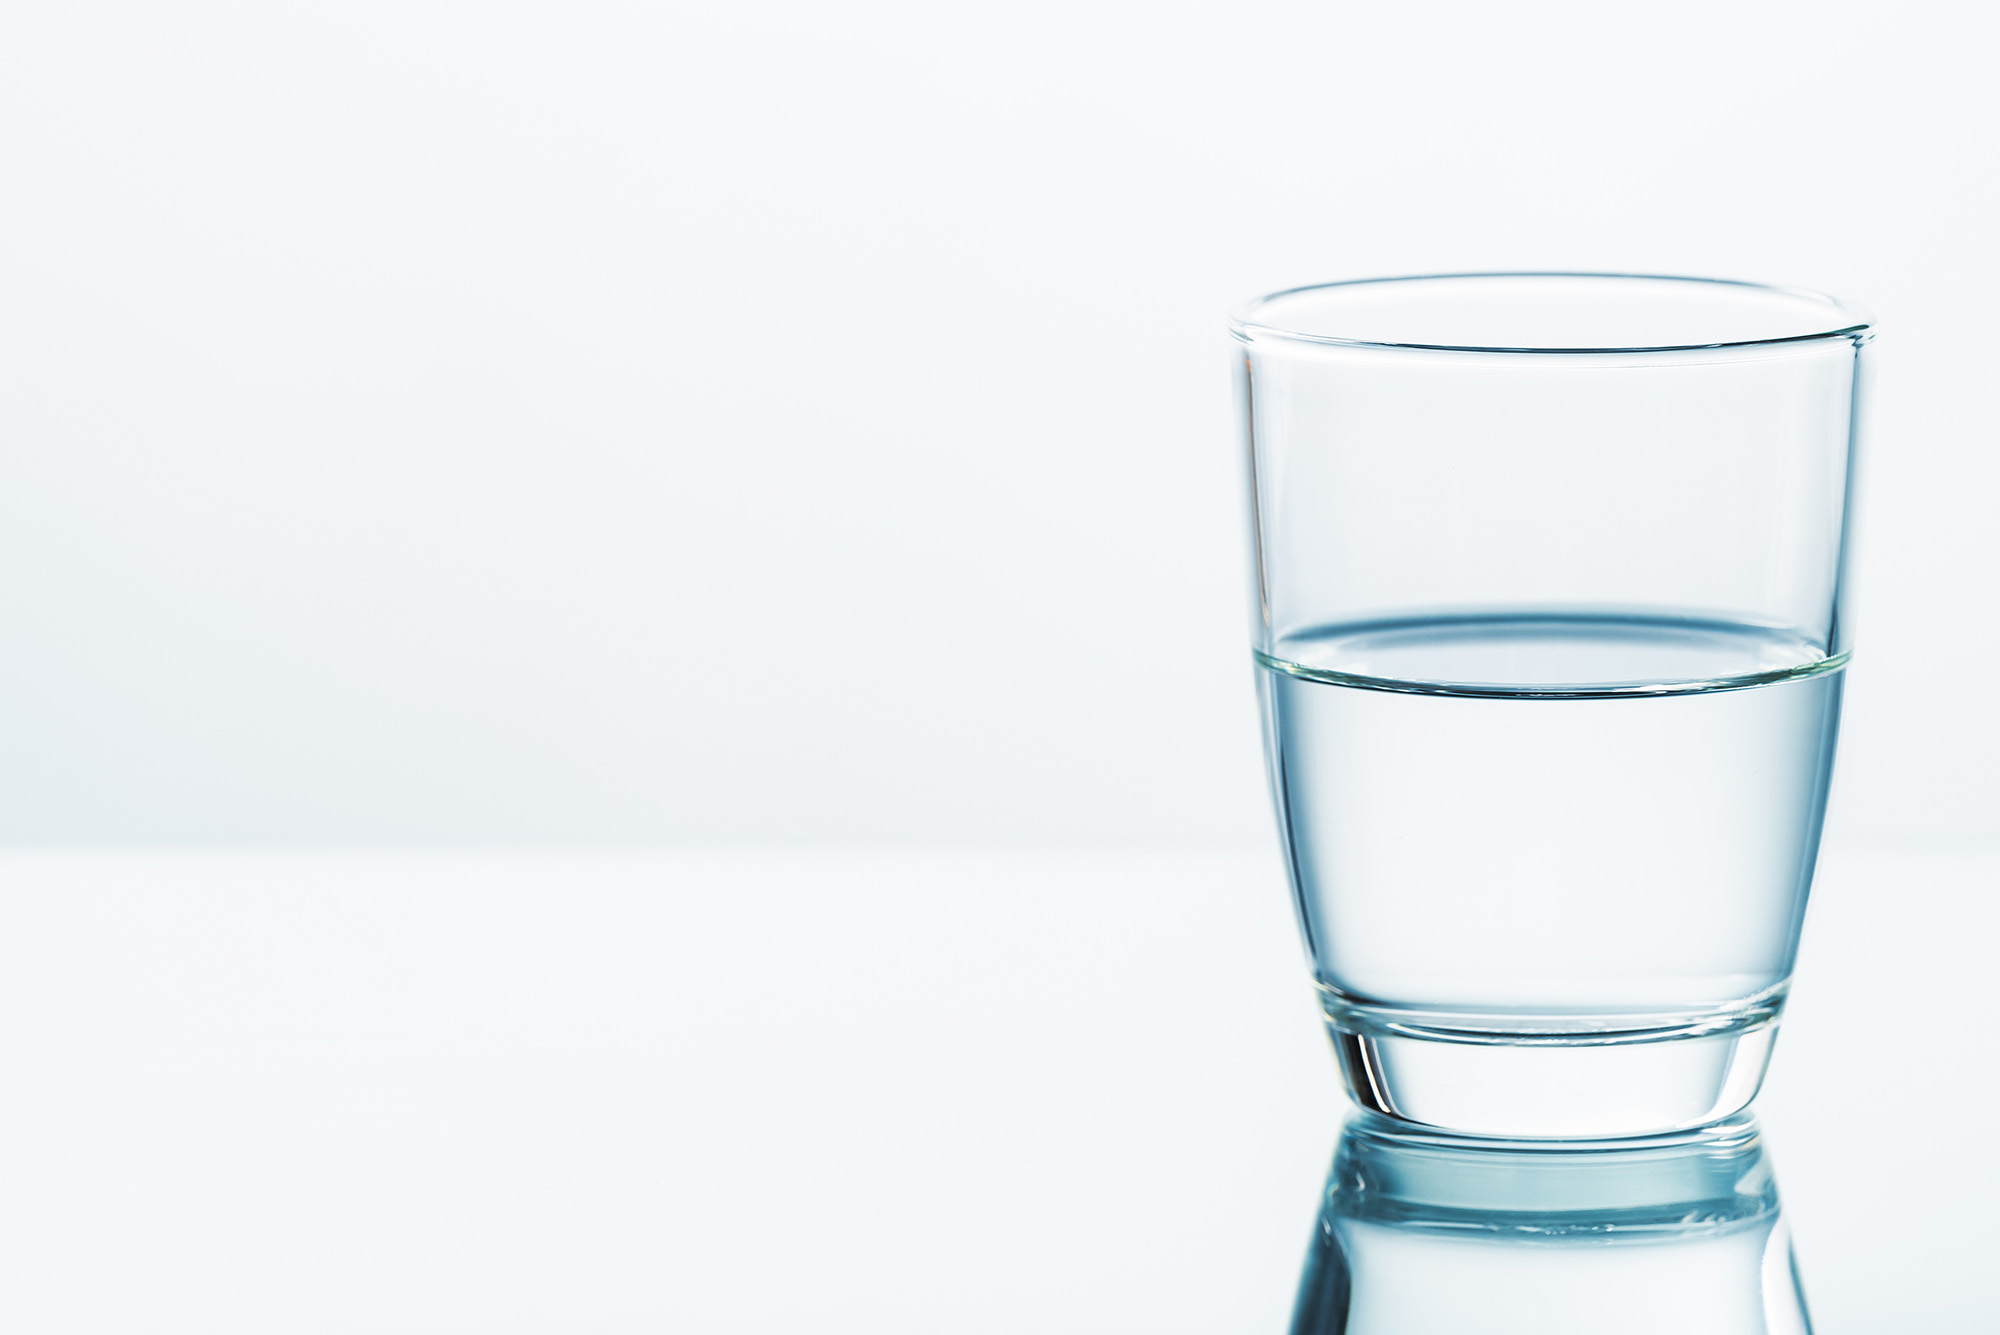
499 423
799 424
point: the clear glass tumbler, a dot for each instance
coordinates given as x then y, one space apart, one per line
1547 585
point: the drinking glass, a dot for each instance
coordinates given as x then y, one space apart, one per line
1422 1235
1548 623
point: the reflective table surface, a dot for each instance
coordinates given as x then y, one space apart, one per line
892 1092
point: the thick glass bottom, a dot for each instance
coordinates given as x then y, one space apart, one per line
1544 1084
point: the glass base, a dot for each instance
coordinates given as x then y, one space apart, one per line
1543 1085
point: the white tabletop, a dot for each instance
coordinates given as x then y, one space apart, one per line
750 1093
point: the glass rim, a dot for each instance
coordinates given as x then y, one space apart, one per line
1245 325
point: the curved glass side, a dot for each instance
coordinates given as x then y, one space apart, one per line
1423 1233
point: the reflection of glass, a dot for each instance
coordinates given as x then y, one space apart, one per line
1548 574
1424 1234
